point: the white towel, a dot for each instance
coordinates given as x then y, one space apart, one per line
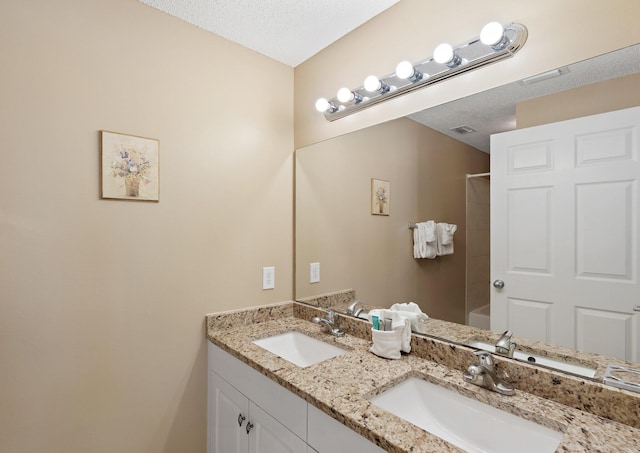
444 233
386 344
399 324
425 240
413 313
430 231
416 241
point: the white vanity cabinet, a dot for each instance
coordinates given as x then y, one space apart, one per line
240 426
226 433
327 435
248 412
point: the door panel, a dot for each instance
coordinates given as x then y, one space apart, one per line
269 436
529 157
620 330
564 233
604 214
528 226
530 318
604 147
228 404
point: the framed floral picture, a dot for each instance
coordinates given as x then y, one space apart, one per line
380 196
130 167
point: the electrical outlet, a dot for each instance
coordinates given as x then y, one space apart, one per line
314 272
268 277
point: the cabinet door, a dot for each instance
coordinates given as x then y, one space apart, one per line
327 435
269 436
280 403
227 407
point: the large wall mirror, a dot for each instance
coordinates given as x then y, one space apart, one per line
437 170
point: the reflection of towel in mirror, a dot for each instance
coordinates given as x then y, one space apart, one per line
413 313
425 240
444 233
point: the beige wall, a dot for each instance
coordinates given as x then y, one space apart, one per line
444 164
615 94
102 302
559 33
370 253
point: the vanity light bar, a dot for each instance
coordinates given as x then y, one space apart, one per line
494 44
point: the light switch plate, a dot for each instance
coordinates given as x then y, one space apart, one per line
314 272
268 277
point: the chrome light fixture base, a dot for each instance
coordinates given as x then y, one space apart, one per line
473 55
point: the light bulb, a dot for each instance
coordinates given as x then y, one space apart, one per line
405 70
345 95
372 84
443 54
492 35
322 105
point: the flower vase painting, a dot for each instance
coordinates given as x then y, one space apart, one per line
130 167
380 196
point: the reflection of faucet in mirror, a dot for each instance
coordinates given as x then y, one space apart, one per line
504 345
485 374
351 308
353 311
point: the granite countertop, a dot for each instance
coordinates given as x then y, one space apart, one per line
341 386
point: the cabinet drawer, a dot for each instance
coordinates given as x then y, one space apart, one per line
280 403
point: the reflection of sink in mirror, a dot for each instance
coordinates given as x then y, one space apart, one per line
529 357
464 422
299 349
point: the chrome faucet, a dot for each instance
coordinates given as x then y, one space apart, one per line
505 346
485 374
330 323
352 310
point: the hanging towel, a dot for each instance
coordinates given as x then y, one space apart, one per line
444 233
425 240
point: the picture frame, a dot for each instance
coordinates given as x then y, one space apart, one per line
380 196
130 167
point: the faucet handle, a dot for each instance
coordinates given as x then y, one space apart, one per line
485 358
331 316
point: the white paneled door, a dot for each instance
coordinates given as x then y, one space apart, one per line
564 233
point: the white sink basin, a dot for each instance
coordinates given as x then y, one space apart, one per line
540 360
464 422
299 349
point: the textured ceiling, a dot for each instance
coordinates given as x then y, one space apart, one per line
289 31
494 111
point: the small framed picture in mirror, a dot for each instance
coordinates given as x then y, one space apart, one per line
380 196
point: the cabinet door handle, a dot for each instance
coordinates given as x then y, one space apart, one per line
241 419
249 427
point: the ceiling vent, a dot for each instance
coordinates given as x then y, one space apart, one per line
463 129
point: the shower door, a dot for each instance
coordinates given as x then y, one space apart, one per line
564 233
